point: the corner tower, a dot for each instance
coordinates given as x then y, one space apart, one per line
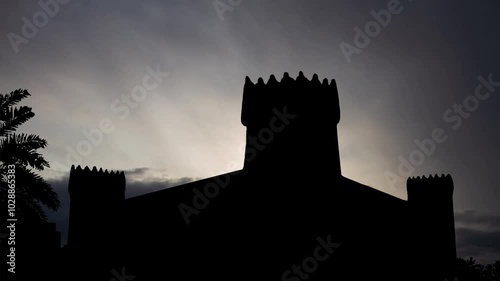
432 225
291 125
96 204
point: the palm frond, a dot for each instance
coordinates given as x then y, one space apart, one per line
21 149
12 118
13 98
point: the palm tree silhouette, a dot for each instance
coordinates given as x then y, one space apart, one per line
31 190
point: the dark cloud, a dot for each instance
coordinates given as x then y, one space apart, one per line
469 217
137 188
144 180
479 238
478 235
137 171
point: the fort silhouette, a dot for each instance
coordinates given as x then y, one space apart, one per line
289 214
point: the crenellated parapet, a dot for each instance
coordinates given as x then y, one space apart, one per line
318 99
429 188
87 178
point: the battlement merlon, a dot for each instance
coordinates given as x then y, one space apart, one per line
320 98
84 176
429 188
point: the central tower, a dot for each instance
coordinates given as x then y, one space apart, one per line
291 121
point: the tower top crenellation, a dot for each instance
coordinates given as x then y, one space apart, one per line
301 94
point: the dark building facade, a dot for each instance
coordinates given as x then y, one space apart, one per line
289 214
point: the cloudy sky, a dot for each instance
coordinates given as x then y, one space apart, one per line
417 75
